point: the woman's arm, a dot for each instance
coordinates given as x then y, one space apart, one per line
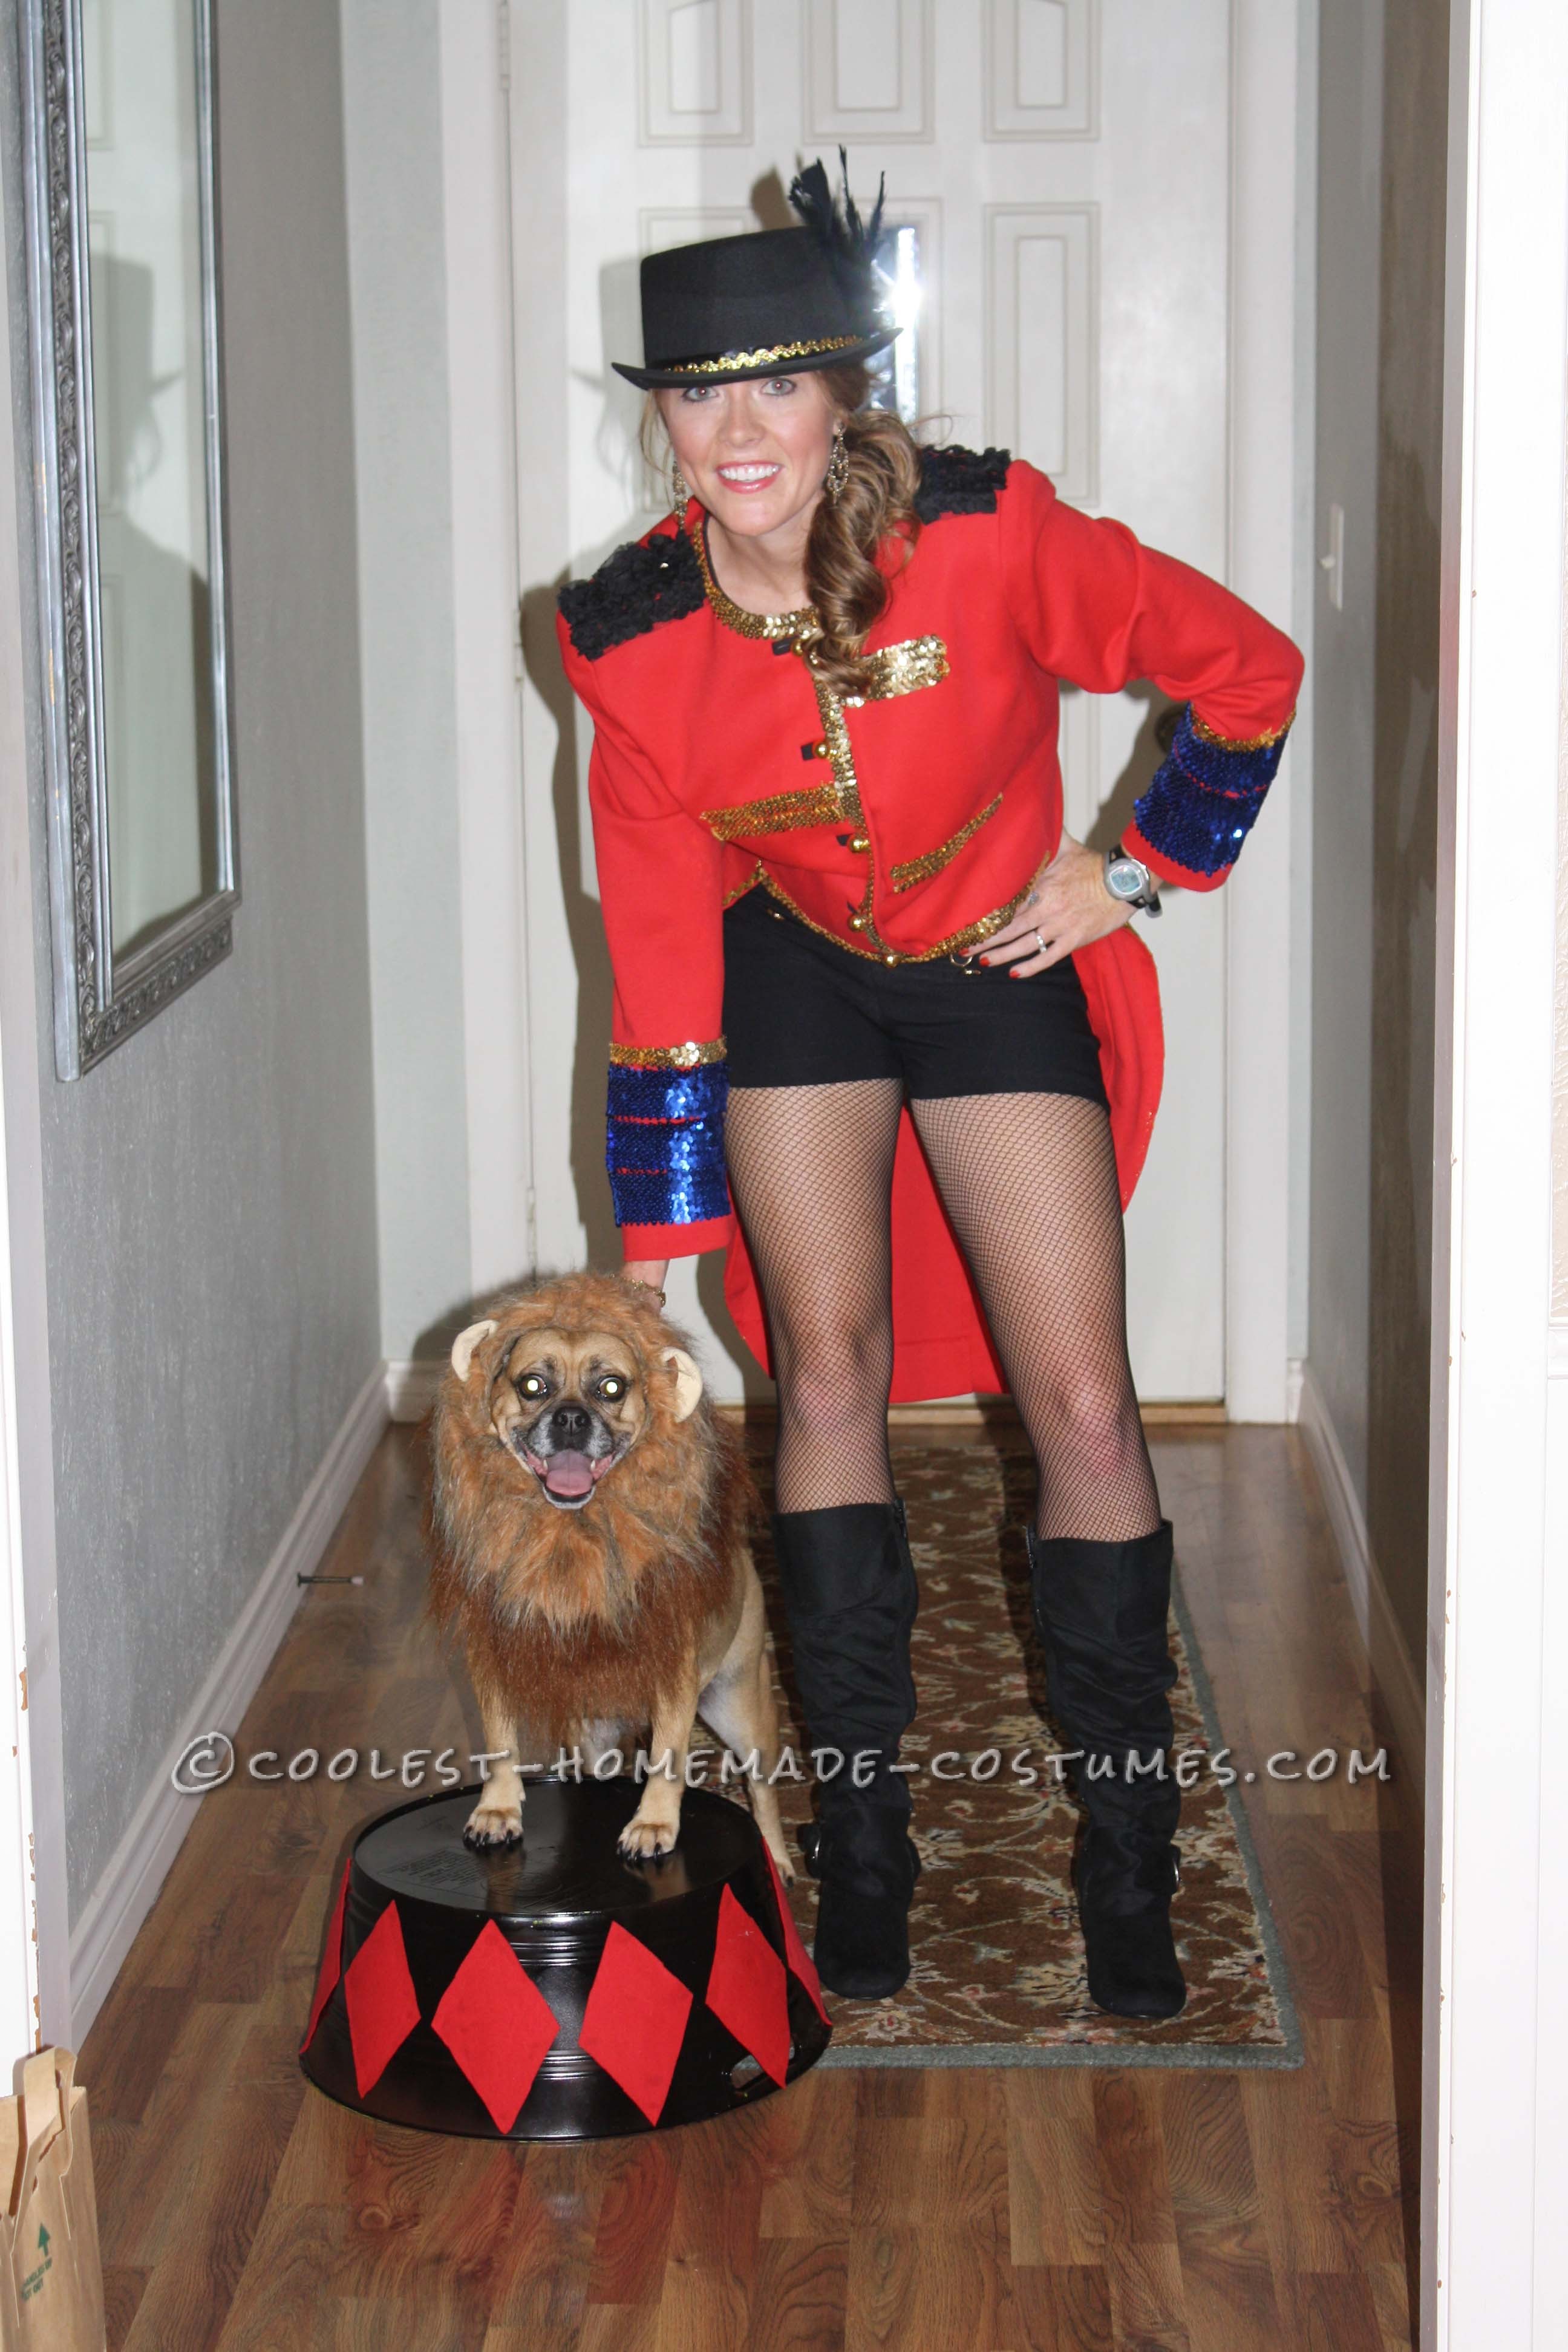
653 1271
1097 607
661 889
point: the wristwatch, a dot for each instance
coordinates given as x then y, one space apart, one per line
1128 878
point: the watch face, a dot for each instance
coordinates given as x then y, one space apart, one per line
1124 877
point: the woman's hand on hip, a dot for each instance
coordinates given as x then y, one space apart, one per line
1067 907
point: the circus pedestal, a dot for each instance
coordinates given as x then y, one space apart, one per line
557 1991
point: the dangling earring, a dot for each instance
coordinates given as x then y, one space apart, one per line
677 489
837 472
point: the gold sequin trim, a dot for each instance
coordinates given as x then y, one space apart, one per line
969 937
740 888
688 1056
779 813
905 669
840 755
921 870
896 669
1206 734
729 362
801 626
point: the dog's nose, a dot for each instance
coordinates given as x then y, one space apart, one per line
570 1424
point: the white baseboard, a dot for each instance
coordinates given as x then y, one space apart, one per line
411 1386
1391 1661
129 1881
1295 1373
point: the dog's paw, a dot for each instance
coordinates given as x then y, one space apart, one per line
490 1827
785 1865
643 1840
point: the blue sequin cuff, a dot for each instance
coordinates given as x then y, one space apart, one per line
666 1144
1205 794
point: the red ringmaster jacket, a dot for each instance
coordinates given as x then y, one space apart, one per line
905 824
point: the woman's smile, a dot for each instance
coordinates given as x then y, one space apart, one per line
747 477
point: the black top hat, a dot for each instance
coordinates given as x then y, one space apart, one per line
770 303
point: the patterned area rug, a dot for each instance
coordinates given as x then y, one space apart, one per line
998 1971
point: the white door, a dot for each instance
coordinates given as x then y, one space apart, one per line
1065 165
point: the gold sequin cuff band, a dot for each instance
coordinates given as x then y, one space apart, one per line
1207 734
688 1056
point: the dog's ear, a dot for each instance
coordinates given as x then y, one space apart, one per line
464 1343
688 1382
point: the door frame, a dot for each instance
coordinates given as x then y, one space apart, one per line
1271 306
1495 2071
34 1964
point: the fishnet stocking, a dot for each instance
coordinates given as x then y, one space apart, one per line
811 1169
1029 1181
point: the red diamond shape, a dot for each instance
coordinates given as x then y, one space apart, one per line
747 1989
332 1962
635 2020
382 2006
497 2024
801 1963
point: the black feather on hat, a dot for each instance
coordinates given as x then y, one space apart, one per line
856 247
771 303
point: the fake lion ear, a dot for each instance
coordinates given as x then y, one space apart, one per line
464 1343
688 1382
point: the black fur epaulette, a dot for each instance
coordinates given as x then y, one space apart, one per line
632 592
960 481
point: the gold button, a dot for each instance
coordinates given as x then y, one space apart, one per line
820 750
857 922
893 958
860 844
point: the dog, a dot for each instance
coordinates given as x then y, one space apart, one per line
587 1519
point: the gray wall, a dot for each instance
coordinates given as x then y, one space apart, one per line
211 1187
1381 224
1404 830
1350 113
397 270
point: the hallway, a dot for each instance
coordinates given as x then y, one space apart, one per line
1190 2209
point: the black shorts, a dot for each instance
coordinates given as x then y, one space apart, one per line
800 1010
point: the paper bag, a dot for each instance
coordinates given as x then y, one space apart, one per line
51 2281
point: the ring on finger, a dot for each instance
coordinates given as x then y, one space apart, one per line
1039 943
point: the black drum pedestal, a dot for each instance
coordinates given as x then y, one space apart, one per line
556 1990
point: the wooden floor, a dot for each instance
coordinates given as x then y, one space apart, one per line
1192 2211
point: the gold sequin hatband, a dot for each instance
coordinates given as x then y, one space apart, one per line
731 363
764 359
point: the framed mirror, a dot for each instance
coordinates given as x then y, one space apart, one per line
127 409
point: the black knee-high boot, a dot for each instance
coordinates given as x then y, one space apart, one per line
1101 1610
850 1592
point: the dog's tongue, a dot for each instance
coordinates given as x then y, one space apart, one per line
569 1474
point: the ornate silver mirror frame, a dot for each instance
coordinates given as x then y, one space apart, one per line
101 996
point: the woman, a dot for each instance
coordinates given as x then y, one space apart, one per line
859 964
